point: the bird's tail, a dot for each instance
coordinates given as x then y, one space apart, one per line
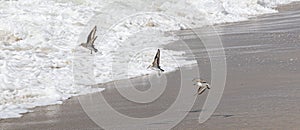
96 50
161 69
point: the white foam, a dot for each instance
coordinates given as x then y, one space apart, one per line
38 42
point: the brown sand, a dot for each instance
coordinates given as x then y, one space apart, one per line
262 89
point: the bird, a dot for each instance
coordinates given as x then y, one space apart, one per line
202 85
155 63
90 41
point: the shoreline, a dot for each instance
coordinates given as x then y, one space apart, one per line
73 99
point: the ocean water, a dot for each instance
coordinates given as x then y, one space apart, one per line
42 64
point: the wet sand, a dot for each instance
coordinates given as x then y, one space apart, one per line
262 87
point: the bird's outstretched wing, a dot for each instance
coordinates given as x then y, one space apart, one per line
94 41
91 37
156 59
201 90
199 80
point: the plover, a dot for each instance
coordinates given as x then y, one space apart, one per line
202 85
155 63
90 41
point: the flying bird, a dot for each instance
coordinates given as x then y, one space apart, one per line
202 85
90 41
155 63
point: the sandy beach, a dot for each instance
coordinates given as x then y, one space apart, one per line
262 84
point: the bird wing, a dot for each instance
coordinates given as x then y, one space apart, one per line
91 37
156 59
92 43
199 80
201 90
